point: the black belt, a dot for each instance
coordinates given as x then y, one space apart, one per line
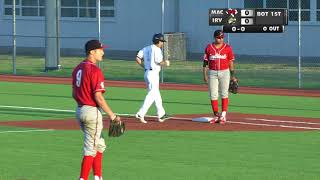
148 69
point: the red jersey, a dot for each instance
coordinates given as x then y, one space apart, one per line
218 58
87 78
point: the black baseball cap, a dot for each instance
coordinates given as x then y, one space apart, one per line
158 37
94 44
218 33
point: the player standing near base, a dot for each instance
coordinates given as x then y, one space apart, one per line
218 69
150 58
88 88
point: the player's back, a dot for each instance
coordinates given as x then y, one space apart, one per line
83 82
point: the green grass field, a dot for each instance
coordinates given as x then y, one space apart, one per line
157 155
264 74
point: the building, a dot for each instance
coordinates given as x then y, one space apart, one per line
128 25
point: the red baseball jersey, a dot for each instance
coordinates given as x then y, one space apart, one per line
218 58
87 79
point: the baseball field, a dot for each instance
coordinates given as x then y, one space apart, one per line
270 134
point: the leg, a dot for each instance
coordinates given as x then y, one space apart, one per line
91 123
100 147
224 80
157 95
223 88
149 99
213 90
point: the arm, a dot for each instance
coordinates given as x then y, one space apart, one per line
104 105
164 63
205 71
140 62
232 71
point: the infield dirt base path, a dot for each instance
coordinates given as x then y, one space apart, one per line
236 121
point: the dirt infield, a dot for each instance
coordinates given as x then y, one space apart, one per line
236 121
193 87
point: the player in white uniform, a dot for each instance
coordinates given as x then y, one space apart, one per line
151 59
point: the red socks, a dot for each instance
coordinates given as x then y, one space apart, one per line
86 165
225 103
214 105
97 164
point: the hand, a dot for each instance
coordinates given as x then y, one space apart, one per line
167 62
116 119
205 79
233 78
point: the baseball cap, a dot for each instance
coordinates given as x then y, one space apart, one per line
218 34
158 37
94 44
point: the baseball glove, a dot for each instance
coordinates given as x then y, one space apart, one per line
116 128
233 86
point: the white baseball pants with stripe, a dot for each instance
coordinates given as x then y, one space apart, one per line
219 83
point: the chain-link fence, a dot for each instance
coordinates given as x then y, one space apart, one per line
262 60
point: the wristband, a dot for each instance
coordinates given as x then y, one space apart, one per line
232 73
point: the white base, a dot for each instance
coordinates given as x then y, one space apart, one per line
202 119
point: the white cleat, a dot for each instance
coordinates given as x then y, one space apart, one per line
163 118
97 178
141 118
223 119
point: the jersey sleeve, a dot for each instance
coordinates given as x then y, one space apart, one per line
98 81
158 57
140 54
230 54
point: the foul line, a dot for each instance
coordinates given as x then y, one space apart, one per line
274 125
42 109
25 131
282 121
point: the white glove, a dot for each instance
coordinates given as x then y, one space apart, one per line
167 62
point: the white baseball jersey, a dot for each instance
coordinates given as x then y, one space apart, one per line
152 56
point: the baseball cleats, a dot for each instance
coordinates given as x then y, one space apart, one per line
97 178
163 118
141 118
222 120
216 117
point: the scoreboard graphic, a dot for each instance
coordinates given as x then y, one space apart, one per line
249 20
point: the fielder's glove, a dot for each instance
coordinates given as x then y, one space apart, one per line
116 128
234 85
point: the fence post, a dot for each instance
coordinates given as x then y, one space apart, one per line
14 43
299 43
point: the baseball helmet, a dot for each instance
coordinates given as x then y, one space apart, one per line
158 37
218 33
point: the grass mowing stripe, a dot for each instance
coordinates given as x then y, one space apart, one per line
170 155
26 131
175 102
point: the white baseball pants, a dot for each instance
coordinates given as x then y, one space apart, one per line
151 78
219 84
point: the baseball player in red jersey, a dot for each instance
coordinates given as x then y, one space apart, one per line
88 88
218 68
